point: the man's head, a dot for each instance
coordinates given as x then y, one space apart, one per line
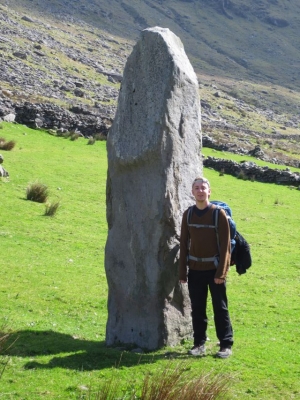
201 180
201 190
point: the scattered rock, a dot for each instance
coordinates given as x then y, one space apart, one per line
28 19
9 118
280 23
20 54
257 152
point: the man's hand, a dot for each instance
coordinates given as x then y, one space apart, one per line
182 281
218 281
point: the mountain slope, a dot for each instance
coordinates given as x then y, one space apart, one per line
247 59
228 38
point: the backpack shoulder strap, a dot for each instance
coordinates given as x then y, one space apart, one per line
189 215
216 224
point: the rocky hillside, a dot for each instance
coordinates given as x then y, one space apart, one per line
72 54
229 38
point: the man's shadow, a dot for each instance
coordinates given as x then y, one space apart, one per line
86 355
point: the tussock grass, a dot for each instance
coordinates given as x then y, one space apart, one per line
4 347
37 191
66 134
177 381
174 381
3 340
109 389
51 209
100 137
74 136
242 175
7 145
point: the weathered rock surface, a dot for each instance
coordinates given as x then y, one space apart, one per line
153 157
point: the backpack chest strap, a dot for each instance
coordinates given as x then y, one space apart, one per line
201 226
206 259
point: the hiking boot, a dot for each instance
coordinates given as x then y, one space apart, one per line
197 351
224 352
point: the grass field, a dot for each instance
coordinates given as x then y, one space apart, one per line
53 288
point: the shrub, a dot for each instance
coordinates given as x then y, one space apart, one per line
37 192
91 140
51 209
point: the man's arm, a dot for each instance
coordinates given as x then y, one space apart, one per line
224 237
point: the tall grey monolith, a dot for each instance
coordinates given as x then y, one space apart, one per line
153 156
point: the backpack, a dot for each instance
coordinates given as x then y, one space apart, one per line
232 224
241 255
240 249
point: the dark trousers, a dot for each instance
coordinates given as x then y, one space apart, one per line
198 284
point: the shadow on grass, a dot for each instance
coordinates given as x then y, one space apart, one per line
85 355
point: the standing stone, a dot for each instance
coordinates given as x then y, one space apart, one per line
153 156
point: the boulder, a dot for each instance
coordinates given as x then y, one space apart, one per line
3 172
20 54
9 117
153 156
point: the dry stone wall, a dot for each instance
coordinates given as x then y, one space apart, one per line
250 170
50 116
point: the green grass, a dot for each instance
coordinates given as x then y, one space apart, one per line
53 288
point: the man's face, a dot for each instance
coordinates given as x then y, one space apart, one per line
201 191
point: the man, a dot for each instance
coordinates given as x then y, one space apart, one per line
200 267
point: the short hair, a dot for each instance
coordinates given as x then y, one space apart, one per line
201 179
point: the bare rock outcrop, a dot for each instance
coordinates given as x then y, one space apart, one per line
153 156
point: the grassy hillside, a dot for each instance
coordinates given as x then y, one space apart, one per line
53 289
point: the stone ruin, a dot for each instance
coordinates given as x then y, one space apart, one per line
153 156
